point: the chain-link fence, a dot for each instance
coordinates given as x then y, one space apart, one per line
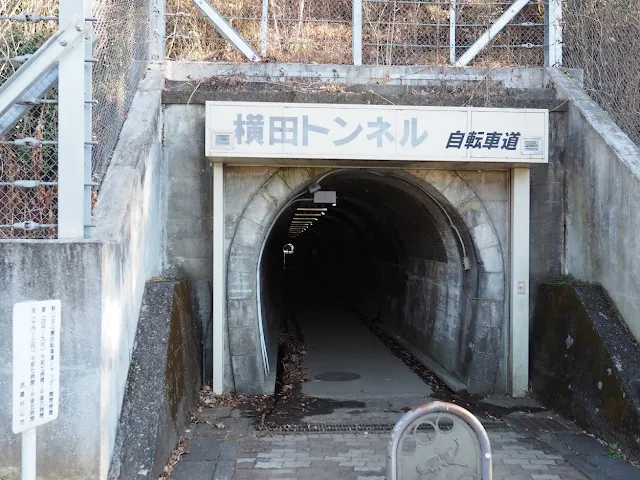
121 54
28 168
394 32
28 132
599 36
411 32
603 38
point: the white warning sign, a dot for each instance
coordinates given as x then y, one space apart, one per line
36 363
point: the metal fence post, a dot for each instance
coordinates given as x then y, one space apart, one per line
156 29
88 112
71 128
264 28
553 33
452 32
357 32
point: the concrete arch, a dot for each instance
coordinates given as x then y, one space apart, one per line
461 208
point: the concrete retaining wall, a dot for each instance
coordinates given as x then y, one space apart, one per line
162 384
603 191
586 364
100 282
548 210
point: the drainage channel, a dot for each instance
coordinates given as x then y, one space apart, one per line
488 424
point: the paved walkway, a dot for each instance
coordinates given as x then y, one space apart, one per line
238 452
360 457
336 340
225 446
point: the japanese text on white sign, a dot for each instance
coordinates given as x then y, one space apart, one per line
36 363
376 132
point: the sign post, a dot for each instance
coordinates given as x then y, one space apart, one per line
36 373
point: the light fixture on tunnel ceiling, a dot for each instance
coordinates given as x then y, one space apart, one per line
318 214
317 209
325 196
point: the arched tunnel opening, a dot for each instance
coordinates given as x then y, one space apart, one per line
389 252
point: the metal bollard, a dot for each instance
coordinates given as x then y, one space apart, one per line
439 441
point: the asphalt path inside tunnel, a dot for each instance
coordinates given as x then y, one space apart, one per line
338 342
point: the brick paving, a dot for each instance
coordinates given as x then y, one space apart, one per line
360 456
225 446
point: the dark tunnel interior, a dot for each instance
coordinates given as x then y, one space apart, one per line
389 250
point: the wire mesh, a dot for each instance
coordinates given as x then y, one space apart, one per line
121 52
603 38
190 36
20 204
394 32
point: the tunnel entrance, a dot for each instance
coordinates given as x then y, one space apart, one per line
392 251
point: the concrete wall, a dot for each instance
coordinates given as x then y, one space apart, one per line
129 218
189 215
189 218
100 282
586 363
603 190
162 384
37 270
548 210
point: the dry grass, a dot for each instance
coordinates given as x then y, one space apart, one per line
394 32
603 38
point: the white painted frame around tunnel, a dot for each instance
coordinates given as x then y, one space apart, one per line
218 285
519 282
517 296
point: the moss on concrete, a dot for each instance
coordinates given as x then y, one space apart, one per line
585 362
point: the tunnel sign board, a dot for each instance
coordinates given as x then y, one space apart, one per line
36 363
375 132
